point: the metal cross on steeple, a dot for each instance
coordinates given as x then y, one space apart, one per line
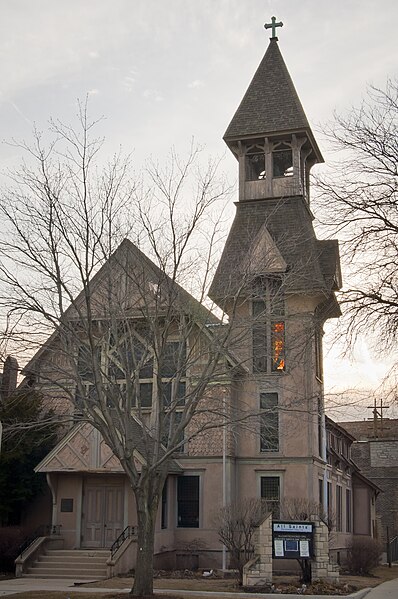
273 26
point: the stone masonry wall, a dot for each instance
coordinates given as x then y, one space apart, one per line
258 571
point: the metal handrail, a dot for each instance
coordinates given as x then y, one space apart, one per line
43 530
127 533
393 547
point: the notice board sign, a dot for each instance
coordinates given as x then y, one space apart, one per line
291 540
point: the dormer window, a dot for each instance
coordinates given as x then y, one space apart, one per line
282 161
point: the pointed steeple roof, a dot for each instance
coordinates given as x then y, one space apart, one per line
271 104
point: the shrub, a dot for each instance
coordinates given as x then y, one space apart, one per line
363 554
11 538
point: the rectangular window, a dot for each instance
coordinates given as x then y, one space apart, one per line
348 511
173 359
330 504
255 164
188 501
259 336
167 431
339 507
85 364
318 354
269 422
171 392
66 505
164 505
320 427
270 492
278 346
268 330
282 162
320 482
146 395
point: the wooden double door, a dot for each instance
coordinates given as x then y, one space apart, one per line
103 513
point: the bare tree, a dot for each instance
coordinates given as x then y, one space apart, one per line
123 334
120 345
236 525
359 198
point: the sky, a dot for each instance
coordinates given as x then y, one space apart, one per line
164 72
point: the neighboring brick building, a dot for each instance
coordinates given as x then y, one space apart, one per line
375 451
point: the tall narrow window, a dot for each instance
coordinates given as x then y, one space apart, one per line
339 507
164 505
85 389
188 501
330 504
320 484
268 326
318 354
269 424
255 163
348 511
270 492
282 161
260 357
278 346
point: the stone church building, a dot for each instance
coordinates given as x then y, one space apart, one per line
277 277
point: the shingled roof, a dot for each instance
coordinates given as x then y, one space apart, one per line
290 225
271 104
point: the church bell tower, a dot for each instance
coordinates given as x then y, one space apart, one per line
270 135
277 282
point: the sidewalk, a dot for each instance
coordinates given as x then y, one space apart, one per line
387 590
20 585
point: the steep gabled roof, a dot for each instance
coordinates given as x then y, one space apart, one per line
289 224
271 104
125 258
82 449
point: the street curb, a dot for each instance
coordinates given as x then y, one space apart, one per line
360 594
227 595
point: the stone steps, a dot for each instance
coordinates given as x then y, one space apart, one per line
74 564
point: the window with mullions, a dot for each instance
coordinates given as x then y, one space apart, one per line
85 389
171 420
348 511
188 501
133 359
268 326
164 514
339 508
126 360
318 353
269 422
270 492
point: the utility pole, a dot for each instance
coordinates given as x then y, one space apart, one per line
378 417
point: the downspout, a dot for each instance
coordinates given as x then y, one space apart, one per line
54 499
324 457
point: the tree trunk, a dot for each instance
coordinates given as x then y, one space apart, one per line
146 518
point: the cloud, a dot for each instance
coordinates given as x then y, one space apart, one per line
195 83
128 83
153 94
